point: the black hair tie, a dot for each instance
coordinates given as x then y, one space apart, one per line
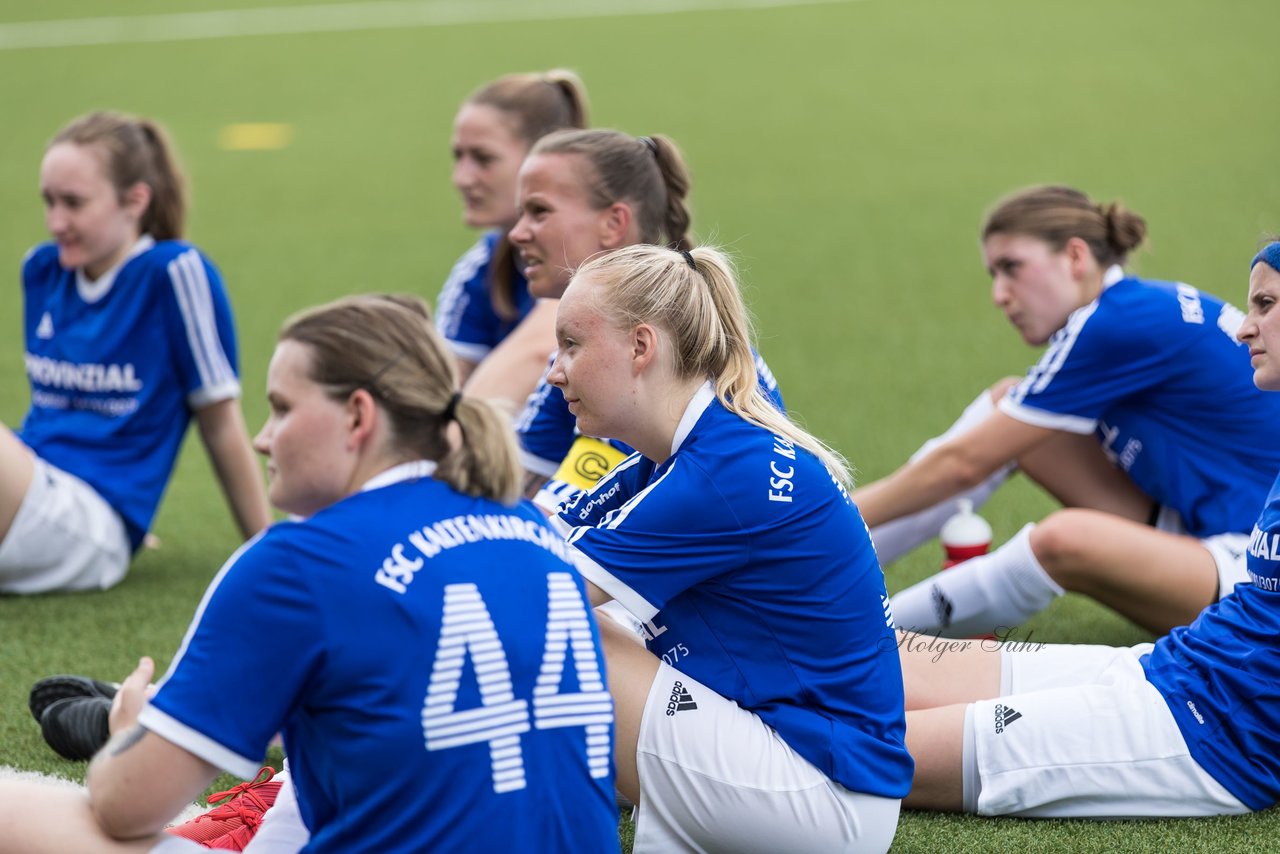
450 411
650 144
688 259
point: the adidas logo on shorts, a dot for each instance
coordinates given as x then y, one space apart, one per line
680 701
1004 717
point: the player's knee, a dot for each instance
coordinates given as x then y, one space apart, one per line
1061 544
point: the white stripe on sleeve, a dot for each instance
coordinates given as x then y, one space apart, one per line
196 742
195 301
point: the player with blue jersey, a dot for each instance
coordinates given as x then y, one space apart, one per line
766 712
129 335
1189 726
485 305
582 193
433 667
1140 417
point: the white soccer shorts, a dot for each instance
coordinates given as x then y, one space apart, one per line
64 537
714 777
1082 733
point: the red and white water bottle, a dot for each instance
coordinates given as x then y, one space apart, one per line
965 535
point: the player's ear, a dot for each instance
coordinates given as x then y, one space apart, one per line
361 417
1079 256
136 199
644 346
615 225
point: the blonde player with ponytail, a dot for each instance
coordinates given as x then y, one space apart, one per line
766 712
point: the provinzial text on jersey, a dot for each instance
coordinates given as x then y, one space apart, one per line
82 376
398 569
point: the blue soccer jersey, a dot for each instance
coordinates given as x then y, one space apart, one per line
431 661
1221 675
117 366
1154 369
546 428
465 315
755 575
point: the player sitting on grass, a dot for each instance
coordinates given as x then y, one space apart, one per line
501 334
766 713
430 697
128 336
1140 417
1185 727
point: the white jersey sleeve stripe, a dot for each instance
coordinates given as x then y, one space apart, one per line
621 593
469 352
193 741
206 321
453 300
616 517
191 287
1044 418
1054 358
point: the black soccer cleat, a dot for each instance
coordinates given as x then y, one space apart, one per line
76 727
50 690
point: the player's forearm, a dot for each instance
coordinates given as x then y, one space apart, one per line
935 477
223 431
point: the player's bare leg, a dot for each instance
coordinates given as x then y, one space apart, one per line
632 669
940 678
16 467
1157 579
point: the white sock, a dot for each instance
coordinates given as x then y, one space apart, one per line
980 596
895 538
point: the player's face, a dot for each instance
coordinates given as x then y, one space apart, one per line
486 160
304 440
593 365
1032 284
93 226
558 228
1261 327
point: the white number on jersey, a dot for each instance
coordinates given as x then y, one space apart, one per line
467 630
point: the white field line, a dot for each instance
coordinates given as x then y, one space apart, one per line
345 17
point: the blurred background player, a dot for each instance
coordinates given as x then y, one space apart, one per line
1140 416
1189 726
129 334
510 747
500 333
582 193
766 713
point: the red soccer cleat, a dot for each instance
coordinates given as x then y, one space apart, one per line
231 825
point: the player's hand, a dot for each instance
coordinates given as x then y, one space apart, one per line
132 696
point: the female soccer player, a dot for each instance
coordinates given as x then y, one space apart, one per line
1140 417
431 698
128 335
766 713
485 311
1184 727
582 193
